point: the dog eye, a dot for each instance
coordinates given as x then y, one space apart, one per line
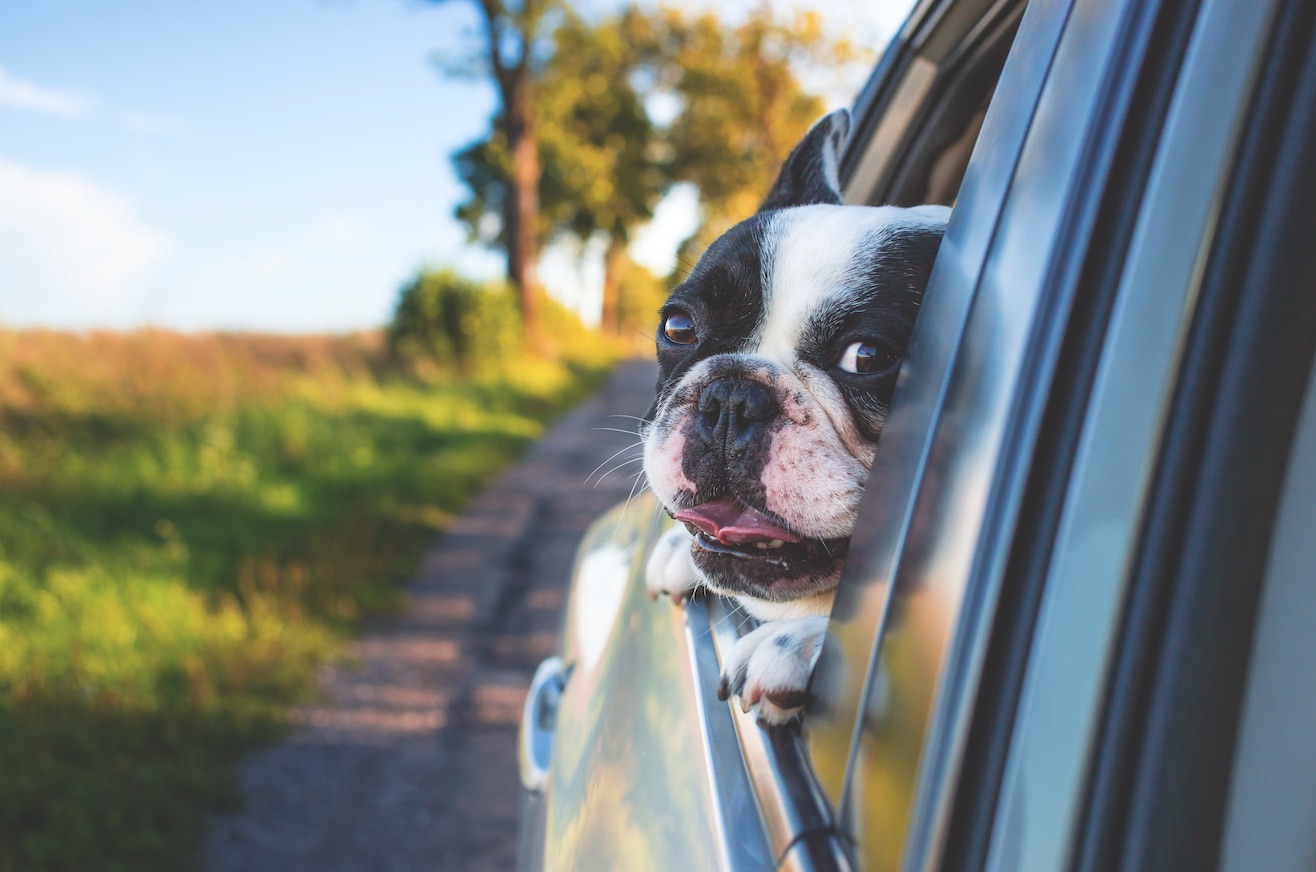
864 357
679 327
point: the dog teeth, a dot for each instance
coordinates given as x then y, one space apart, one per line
768 545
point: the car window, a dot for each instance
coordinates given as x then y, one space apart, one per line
846 699
912 143
839 684
916 124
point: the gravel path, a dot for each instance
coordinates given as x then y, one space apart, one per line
408 762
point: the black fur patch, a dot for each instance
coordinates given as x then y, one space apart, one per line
723 295
805 178
889 276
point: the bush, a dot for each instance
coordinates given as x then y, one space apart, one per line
455 323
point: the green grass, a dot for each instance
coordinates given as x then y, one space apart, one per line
188 525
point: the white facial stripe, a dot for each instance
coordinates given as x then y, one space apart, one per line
809 255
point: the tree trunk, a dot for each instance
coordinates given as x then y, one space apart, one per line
609 321
522 209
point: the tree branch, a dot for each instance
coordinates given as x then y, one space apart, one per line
492 10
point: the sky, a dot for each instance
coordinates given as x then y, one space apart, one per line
274 165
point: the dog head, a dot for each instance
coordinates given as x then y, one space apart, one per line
777 358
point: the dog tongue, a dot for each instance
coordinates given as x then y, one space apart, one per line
732 523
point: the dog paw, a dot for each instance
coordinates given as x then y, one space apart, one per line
670 570
769 668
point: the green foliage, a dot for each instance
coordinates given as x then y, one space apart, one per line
188 525
445 320
510 54
743 105
446 323
606 161
602 154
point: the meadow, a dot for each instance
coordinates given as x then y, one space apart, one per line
188 526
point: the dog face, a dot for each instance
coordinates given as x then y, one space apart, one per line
777 357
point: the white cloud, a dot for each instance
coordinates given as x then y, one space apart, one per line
67 240
18 93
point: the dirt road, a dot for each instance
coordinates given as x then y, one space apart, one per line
408 762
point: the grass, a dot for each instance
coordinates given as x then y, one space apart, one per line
188 525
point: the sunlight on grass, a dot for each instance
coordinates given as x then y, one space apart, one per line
188 525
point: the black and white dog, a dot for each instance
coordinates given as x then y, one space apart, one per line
778 355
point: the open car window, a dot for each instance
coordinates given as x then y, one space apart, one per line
915 128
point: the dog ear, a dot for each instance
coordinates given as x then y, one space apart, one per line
810 173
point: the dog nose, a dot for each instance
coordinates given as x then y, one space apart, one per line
733 411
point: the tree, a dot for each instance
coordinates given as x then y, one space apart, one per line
606 157
606 161
512 35
743 106
603 171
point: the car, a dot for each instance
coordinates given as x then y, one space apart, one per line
1075 630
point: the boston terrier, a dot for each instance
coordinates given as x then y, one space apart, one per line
777 357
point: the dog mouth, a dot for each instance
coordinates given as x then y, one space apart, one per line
729 527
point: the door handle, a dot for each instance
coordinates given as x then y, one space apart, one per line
539 723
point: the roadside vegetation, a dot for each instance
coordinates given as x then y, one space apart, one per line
190 524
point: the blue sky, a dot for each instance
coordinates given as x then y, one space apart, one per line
255 164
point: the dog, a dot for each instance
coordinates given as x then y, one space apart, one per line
778 355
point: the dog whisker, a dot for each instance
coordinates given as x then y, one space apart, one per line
719 622
617 467
621 516
644 423
615 430
745 619
605 463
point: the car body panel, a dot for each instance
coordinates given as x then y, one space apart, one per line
1274 787
646 771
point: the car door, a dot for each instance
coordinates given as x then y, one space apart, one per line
1053 584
